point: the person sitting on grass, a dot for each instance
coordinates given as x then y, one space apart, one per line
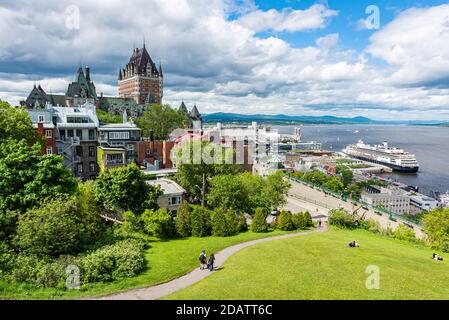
354 244
436 257
202 259
210 263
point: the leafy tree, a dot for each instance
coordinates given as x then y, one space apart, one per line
106 117
27 178
162 119
15 124
201 222
124 188
347 176
224 223
316 177
158 223
183 221
436 228
308 218
300 221
52 229
131 224
227 192
285 221
341 218
334 184
403 232
259 223
277 188
87 210
195 177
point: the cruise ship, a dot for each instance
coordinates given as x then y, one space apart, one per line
397 159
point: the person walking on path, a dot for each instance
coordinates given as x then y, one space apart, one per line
210 263
202 259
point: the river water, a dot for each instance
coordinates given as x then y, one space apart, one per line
429 144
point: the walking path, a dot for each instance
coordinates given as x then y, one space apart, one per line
161 290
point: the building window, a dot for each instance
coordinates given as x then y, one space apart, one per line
118 135
79 151
115 158
92 166
174 201
149 152
91 134
49 150
48 133
79 134
41 118
91 151
80 167
70 133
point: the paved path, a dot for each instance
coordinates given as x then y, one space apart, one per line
161 290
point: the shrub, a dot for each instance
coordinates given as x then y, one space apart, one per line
182 221
285 221
122 259
131 223
242 226
403 232
259 223
52 229
201 222
436 226
219 223
342 219
300 221
233 222
308 218
158 223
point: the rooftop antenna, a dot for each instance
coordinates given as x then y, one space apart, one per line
144 42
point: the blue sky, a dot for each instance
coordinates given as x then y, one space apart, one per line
295 57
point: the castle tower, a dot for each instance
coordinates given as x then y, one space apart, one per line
141 80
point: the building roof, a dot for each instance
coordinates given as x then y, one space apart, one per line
140 59
195 114
119 126
87 110
81 87
169 187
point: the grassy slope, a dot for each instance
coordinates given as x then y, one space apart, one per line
166 260
321 266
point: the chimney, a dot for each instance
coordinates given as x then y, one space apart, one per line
88 73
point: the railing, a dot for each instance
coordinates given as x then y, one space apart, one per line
378 210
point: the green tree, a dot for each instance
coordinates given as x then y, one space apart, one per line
183 221
27 178
300 221
347 176
52 229
276 190
125 188
285 221
227 192
259 223
341 218
403 232
194 173
201 222
334 184
15 124
162 120
158 223
436 228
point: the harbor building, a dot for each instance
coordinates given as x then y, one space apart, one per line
394 200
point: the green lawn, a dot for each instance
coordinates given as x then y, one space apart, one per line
166 260
321 266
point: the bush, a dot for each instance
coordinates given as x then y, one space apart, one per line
285 221
122 259
300 221
201 222
342 219
436 226
158 223
53 229
182 221
131 223
259 223
242 226
403 232
308 218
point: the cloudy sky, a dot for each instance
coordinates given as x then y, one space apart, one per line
292 57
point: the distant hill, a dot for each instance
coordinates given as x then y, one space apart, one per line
286 119
281 118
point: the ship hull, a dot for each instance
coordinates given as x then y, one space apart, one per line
395 168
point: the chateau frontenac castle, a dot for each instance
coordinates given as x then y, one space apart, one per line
141 83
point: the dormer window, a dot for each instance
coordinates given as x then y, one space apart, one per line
41 118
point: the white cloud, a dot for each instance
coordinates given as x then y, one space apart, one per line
315 17
415 44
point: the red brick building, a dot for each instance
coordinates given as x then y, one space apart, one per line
152 151
141 80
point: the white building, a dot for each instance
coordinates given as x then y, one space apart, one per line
394 200
173 193
422 202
